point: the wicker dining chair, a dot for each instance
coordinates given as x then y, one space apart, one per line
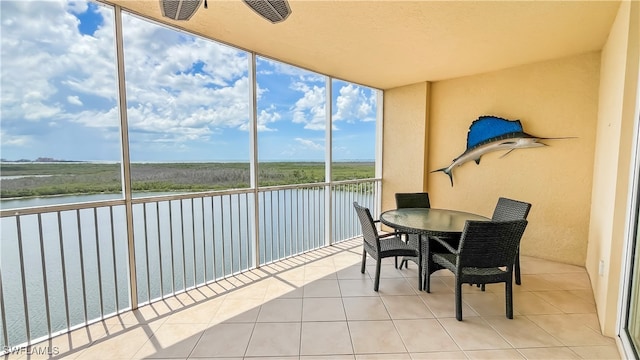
380 246
485 255
509 209
411 200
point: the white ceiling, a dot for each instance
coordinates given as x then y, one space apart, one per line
385 44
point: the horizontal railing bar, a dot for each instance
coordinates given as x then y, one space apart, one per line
190 195
356 181
57 208
150 199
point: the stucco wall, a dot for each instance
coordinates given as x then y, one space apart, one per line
617 102
579 190
405 132
556 98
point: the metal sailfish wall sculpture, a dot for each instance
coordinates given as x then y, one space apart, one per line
490 133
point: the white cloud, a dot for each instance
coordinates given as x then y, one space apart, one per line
177 84
14 140
75 100
77 7
310 108
33 107
353 105
158 57
286 69
183 84
266 117
304 148
95 118
42 60
310 144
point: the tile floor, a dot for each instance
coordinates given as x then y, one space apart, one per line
319 306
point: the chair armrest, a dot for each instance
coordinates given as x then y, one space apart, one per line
446 245
387 235
395 232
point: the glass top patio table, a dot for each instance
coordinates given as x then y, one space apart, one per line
428 221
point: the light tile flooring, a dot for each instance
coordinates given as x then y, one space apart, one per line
319 306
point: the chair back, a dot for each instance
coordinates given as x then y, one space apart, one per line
490 244
509 209
369 231
412 200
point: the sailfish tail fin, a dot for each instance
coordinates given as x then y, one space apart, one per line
446 170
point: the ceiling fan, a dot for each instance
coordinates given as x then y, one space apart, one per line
273 10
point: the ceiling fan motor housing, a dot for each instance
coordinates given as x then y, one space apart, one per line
179 9
272 10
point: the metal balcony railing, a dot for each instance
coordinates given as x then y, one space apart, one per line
67 266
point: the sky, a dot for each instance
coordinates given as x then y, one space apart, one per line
187 98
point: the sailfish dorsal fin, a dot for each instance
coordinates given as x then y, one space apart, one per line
491 127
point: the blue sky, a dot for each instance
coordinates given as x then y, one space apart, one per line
187 98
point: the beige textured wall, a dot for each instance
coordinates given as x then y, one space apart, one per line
578 187
617 102
556 98
404 136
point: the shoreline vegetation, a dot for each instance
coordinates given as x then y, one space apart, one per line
31 179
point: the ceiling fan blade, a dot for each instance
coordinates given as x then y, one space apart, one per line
272 10
179 9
